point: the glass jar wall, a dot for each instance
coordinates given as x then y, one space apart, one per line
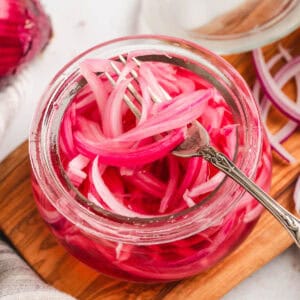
160 248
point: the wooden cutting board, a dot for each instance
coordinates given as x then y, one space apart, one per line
20 221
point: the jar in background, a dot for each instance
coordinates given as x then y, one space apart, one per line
161 248
224 27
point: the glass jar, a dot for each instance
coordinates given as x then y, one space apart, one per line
161 248
224 27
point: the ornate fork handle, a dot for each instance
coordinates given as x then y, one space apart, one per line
220 161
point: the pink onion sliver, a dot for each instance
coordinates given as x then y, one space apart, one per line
51 216
147 183
129 67
188 200
114 181
76 176
144 132
253 213
112 114
78 162
172 183
74 169
153 85
193 168
166 120
111 201
90 129
186 85
67 136
85 104
123 157
166 76
96 85
163 71
151 180
230 131
203 174
82 97
274 93
179 103
169 86
126 171
93 199
206 187
296 195
95 145
123 251
147 102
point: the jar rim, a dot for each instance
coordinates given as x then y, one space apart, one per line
39 128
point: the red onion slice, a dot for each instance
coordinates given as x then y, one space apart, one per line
25 30
272 90
282 76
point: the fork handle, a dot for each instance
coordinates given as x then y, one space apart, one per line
221 162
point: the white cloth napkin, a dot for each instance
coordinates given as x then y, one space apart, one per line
10 97
19 282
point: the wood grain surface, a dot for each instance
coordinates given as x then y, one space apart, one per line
248 15
20 221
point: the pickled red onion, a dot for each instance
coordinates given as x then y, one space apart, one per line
119 156
172 184
123 162
111 201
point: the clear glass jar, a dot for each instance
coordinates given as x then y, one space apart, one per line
224 27
162 248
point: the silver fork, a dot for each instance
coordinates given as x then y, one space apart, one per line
197 143
131 88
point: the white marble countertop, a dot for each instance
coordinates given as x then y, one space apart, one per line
79 25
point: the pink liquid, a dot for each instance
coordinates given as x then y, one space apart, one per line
141 190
